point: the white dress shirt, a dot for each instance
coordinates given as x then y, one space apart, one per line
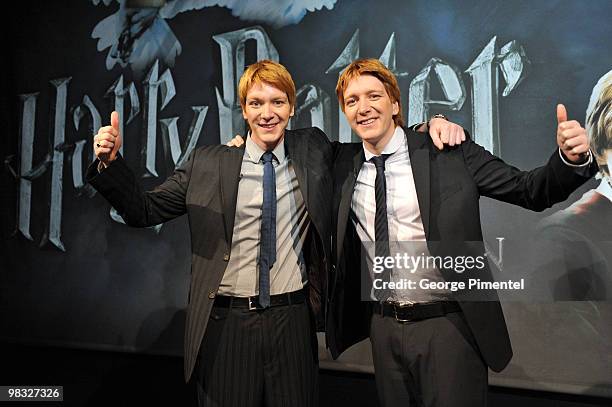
406 232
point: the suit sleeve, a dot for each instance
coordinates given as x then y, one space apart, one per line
537 189
118 184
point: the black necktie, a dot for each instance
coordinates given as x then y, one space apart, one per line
267 254
381 223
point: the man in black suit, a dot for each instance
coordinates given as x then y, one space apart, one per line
259 218
430 347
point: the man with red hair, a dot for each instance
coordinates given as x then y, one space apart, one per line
431 347
259 218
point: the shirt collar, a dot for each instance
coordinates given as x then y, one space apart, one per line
255 152
605 188
397 140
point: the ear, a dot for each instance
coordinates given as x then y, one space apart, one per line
244 115
395 108
292 111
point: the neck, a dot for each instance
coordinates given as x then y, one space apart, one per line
376 147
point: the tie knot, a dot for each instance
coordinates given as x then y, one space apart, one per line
379 160
267 157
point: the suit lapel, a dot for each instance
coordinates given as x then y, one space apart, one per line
346 194
419 161
229 170
297 149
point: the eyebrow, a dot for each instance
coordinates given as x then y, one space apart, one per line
258 99
368 93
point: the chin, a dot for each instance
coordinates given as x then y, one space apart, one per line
369 135
272 138
269 139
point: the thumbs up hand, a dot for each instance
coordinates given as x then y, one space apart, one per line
571 137
108 141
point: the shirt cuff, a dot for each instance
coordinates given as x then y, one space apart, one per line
578 167
414 127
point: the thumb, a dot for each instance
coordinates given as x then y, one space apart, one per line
115 120
561 114
118 140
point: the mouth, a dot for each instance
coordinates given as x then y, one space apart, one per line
366 122
267 126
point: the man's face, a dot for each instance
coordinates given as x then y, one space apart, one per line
267 111
369 110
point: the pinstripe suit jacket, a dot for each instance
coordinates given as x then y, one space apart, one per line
206 188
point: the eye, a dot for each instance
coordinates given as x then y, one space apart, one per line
254 103
279 102
374 96
349 102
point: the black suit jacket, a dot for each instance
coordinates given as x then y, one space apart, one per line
449 184
206 189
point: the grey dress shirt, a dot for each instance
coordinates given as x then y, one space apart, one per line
292 224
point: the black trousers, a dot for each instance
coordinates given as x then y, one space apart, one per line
258 358
429 363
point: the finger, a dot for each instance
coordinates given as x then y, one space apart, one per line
108 130
105 144
561 113
103 150
581 149
105 137
460 134
235 142
447 135
115 121
451 136
435 138
573 142
570 124
573 133
444 134
457 133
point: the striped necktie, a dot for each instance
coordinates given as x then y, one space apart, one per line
381 223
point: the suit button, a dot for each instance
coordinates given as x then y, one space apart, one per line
212 295
226 257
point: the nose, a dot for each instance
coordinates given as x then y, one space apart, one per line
363 106
266 111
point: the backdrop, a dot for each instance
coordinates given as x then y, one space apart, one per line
72 274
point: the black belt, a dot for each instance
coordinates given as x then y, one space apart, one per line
252 303
416 311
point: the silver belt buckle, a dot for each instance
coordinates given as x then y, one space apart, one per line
252 304
397 304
